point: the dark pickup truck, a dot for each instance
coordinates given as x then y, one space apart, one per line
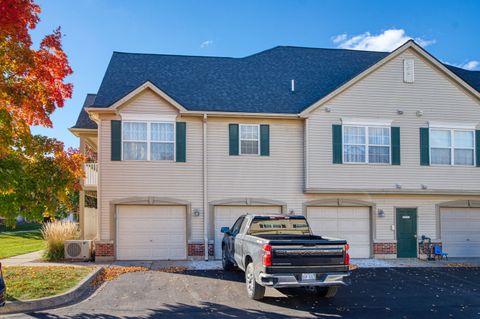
280 251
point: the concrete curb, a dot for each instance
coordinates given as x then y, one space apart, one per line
74 295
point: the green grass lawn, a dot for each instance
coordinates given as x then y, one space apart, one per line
21 227
24 282
18 243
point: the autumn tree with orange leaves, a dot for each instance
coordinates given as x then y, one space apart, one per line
37 176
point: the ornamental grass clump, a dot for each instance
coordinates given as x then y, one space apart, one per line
55 233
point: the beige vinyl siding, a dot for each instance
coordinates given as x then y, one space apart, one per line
380 95
275 177
148 102
122 179
427 213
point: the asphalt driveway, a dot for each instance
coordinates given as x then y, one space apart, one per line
374 293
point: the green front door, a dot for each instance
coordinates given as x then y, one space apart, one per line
406 232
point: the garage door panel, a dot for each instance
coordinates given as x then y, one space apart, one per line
460 231
151 232
350 223
225 216
353 224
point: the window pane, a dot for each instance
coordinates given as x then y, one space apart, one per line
440 138
463 139
134 150
134 131
161 151
354 154
249 132
162 132
354 135
249 147
463 157
440 156
379 135
379 154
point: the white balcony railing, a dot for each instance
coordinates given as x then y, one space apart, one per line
91 174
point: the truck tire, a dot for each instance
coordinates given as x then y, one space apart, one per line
226 263
254 290
327 292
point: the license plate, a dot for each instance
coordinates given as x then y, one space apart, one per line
308 277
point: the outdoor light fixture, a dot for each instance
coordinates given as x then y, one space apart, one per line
400 112
398 186
380 213
196 212
328 109
424 186
419 113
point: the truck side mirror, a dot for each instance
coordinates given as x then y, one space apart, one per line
225 230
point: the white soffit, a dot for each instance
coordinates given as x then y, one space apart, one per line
366 121
148 117
452 125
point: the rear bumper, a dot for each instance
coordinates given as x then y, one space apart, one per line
294 280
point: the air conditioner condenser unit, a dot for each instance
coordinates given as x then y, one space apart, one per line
78 249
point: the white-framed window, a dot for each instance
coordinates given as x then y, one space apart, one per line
366 144
249 139
452 147
148 141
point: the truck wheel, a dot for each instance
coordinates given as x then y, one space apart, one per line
226 263
327 292
254 290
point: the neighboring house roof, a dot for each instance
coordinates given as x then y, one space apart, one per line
83 120
259 83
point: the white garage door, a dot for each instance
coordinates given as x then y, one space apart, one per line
227 215
151 232
460 231
350 223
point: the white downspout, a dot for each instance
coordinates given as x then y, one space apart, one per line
205 185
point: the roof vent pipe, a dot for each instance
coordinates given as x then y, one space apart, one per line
293 85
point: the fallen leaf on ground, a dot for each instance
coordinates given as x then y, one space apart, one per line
110 273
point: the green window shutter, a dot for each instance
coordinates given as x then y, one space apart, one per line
395 141
181 142
337 144
477 147
265 140
116 140
233 139
424 146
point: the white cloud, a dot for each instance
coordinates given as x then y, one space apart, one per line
388 40
206 43
470 65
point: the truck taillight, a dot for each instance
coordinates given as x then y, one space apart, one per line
267 255
346 256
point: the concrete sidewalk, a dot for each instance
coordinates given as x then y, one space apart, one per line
35 259
22 259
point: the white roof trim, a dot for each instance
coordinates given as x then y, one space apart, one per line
452 125
141 88
366 121
391 56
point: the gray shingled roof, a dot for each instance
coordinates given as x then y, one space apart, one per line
260 83
83 120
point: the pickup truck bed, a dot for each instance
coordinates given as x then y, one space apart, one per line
282 259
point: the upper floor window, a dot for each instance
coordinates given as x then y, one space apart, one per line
366 144
249 139
452 146
148 141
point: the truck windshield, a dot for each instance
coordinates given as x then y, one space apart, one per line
282 225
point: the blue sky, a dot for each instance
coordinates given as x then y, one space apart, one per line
94 29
